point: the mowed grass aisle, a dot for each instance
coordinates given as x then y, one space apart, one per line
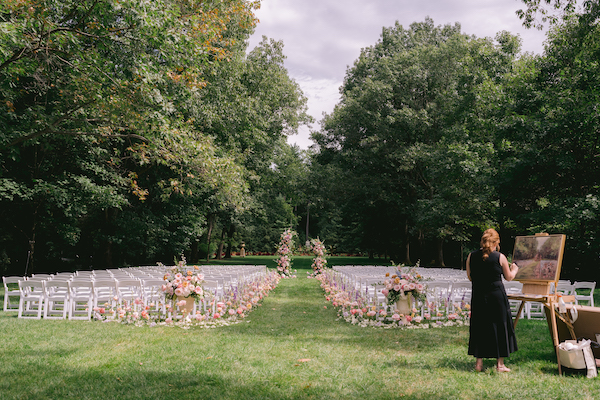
291 347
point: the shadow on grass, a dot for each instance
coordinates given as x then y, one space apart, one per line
31 382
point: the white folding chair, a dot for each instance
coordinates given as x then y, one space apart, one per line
57 299
212 288
438 295
11 289
152 293
31 302
460 293
129 290
105 291
515 287
82 299
587 297
564 287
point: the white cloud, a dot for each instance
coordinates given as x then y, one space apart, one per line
323 37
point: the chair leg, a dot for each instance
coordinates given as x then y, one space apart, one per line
21 305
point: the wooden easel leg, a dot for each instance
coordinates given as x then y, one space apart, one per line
555 340
518 314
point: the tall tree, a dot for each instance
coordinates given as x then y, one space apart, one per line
411 128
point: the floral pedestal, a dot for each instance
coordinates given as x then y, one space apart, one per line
188 308
404 306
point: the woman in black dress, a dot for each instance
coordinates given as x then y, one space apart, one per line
491 329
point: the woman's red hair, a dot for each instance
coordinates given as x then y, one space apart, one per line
489 242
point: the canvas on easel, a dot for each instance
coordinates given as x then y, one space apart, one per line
539 259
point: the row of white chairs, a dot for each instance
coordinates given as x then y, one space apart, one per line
577 288
76 295
447 289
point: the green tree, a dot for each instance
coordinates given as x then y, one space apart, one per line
550 143
413 129
90 112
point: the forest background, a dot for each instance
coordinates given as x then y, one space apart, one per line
136 132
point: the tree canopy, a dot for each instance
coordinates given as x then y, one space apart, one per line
135 132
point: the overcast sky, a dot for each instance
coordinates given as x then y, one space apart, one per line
323 37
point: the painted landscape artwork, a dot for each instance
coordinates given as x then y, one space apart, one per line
538 257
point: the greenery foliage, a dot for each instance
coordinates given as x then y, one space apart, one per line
439 135
131 131
135 132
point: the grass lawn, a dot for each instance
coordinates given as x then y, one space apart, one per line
291 347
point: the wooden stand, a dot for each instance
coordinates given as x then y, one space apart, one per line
540 292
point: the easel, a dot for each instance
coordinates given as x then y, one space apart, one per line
539 291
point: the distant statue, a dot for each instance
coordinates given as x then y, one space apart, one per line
243 251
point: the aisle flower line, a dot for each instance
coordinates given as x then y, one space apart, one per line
234 306
354 307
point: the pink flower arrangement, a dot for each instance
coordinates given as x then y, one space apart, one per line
319 262
181 282
407 282
284 253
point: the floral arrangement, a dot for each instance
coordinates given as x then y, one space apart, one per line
319 262
407 282
182 282
284 254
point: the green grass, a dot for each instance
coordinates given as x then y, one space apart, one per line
291 347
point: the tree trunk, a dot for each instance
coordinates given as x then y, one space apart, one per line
229 240
211 222
194 252
307 221
407 247
221 243
29 265
440 252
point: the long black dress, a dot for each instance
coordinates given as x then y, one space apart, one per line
491 329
